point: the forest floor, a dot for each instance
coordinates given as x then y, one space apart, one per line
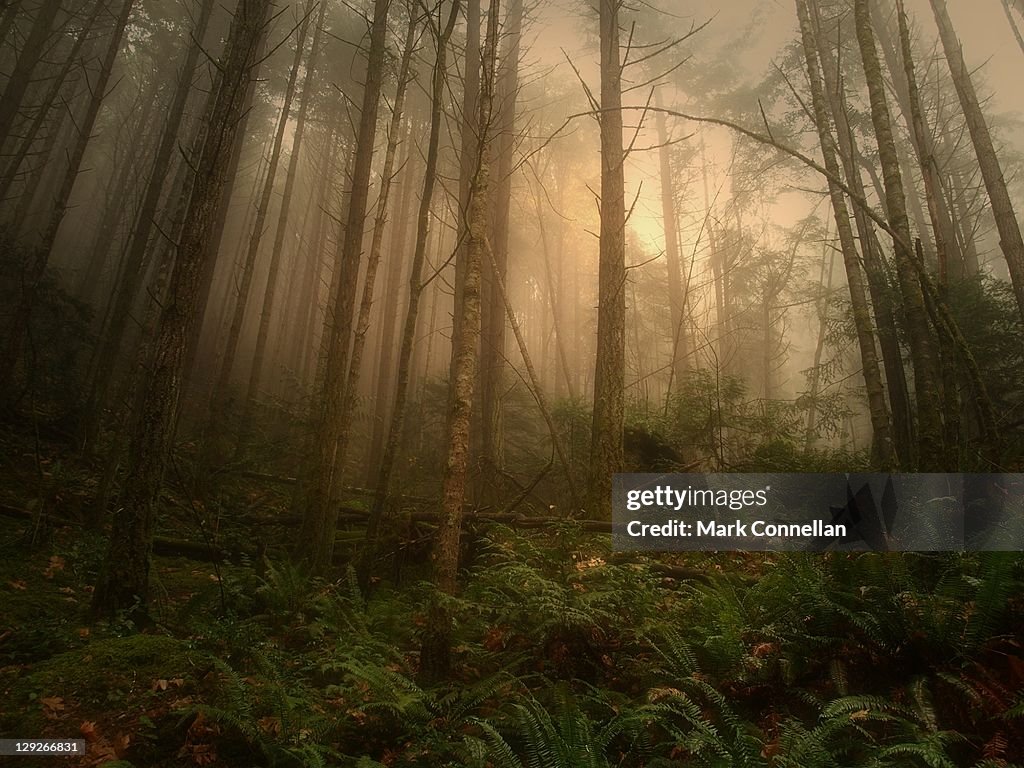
562 655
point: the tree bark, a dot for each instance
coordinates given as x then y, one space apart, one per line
677 288
320 511
21 76
1010 240
606 453
351 392
36 262
882 454
877 280
124 581
931 453
435 655
219 399
384 477
49 100
127 288
492 350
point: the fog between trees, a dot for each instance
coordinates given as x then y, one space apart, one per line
491 254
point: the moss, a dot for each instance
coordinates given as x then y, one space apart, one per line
128 674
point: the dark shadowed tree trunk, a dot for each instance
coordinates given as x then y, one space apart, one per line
21 76
673 256
269 293
128 287
124 581
220 397
362 325
49 100
877 281
37 260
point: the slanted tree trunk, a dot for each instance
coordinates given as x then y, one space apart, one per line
877 281
931 453
219 399
269 294
435 655
21 76
1010 240
387 464
35 264
881 444
127 288
321 514
124 581
606 453
49 100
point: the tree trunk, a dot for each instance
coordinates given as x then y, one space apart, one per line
219 399
387 464
35 265
492 350
877 279
49 100
606 454
127 288
881 443
320 511
435 656
392 290
1010 240
351 392
124 581
21 76
931 453
677 289
267 311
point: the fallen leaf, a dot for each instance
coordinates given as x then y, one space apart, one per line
56 564
52 705
83 632
17 585
88 729
160 685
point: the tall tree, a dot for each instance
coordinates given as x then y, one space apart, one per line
677 289
442 36
931 453
219 398
274 268
35 264
881 443
1010 240
879 289
124 581
435 656
320 512
606 453
492 350
128 286
21 76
